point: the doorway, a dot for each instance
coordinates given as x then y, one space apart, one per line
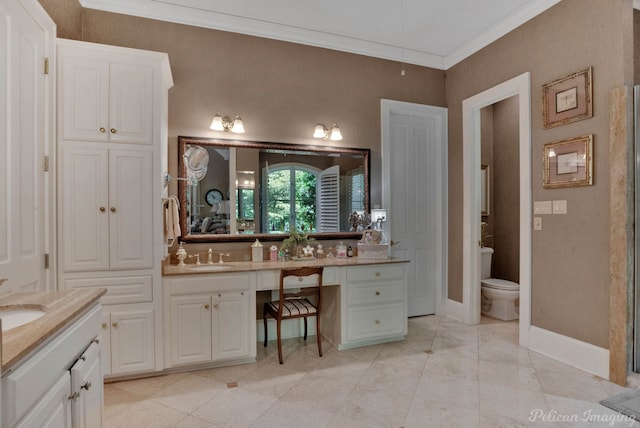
471 111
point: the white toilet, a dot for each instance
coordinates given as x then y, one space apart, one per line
499 295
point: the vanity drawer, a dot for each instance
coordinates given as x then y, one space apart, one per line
375 273
120 289
209 283
373 322
270 279
362 293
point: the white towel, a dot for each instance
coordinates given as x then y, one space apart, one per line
171 220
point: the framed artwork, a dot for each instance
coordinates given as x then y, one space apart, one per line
568 99
569 163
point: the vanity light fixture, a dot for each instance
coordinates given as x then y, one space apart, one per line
552 153
225 124
321 131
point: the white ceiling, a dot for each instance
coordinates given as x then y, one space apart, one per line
432 33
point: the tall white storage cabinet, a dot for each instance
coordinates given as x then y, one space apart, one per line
112 147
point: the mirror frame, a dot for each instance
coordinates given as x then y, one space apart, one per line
217 142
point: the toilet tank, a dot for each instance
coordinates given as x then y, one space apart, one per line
485 262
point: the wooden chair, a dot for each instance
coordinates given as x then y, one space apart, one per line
295 304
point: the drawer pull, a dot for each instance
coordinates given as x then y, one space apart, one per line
215 306
74 396
115 324
377 273
104 325
378 322
377 293
206 306
86 386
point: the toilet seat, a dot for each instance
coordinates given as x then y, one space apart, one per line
500 284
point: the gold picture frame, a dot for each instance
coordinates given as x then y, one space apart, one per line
569 163
568 99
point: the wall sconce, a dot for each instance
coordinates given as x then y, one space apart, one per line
552 153
321 131
225 124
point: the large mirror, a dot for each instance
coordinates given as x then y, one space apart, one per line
241 190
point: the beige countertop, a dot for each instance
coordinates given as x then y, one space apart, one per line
61 307
188 269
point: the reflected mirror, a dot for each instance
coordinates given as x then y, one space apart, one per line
261 190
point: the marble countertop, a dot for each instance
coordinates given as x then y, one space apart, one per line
61 307
188 269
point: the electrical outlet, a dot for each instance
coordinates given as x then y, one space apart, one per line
537 223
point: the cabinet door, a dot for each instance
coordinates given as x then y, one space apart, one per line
130 209
86 381
83 88
231 325
131 103
190 329
84 208
53 410
105 343
132 342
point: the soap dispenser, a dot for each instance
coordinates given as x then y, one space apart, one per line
181 254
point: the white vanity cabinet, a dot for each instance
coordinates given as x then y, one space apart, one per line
376 303
210 318
112 152
41 390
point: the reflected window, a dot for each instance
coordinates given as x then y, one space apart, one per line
290 196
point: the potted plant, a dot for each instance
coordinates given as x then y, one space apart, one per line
296 240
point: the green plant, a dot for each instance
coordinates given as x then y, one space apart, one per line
484 235
296 238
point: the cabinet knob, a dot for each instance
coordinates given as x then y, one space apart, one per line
378 322
102 130
300 279
114 324
102 209
86 385
74 396
215 306
206 306
113 130
113 209
377 293
104 325
377 273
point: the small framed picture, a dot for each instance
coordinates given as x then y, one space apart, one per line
568 163
568 99
371 236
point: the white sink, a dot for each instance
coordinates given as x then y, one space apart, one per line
207 268
13 318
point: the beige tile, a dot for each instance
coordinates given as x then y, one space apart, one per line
424 413
117 400
447 390
515 404
337 366
384 406
145 414
542 362
319 392
189 393
505 354
456 345
406 358
379 375
340 421
452 366
522 378
286 414
579 413
149 385
236 407
193 422
229 373
272 379
582 386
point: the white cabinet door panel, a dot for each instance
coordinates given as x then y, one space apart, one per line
130 206
190 329
132 342
84 99
231 325
85 202
54 408
131 103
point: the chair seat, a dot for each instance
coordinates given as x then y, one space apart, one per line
294 308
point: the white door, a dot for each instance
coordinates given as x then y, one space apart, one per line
414 184
190 328
22 140
53 410
86 380
231 325
132 342
131 103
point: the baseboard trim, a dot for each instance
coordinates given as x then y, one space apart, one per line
576 353
452 309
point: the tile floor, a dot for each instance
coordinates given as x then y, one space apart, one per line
445 374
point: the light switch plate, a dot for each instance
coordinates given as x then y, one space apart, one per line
560 207
537 223
542 207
